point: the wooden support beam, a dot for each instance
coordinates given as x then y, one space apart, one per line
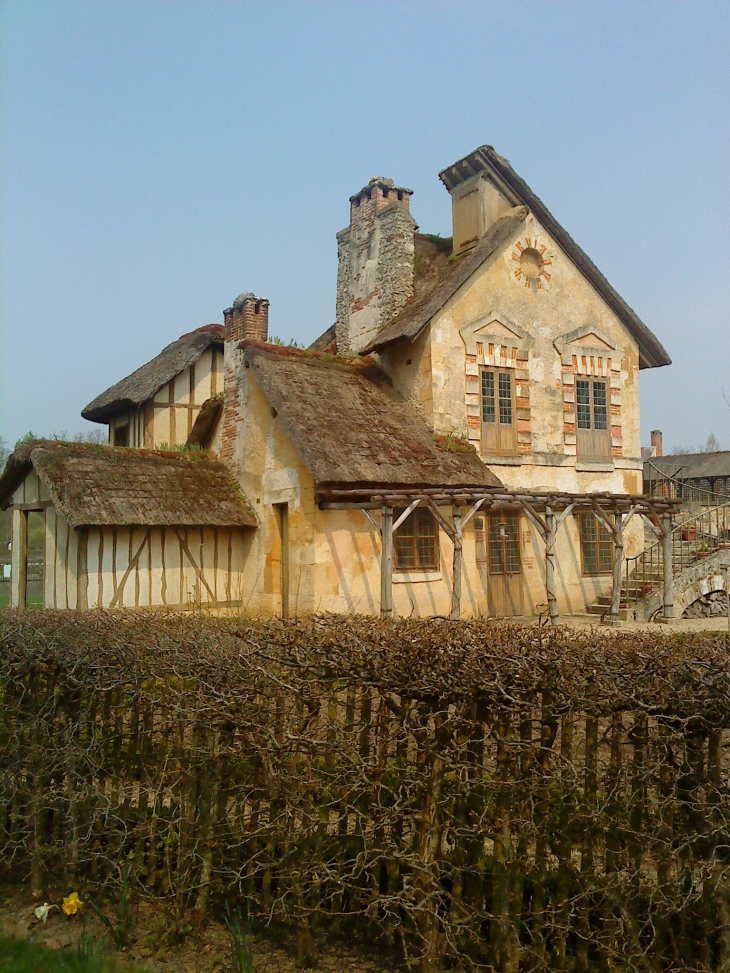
550 566
386 563
20 558
668 600
117 596
618 556
456 589
370 517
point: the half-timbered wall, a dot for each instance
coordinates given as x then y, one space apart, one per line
128 567
169 416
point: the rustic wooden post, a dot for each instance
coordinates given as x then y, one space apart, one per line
668 567
386 563
618 556
550 566
456 592
19 571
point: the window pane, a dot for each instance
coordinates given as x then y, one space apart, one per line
600 410
505 399
597 545
512 544
582 404
496 531
487 396
416 541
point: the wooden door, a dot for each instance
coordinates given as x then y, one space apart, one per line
505 566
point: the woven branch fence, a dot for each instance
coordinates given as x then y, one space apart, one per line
474 796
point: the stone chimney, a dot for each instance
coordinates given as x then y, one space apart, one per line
656 442
248 317
375 256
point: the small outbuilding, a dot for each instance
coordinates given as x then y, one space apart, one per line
125 527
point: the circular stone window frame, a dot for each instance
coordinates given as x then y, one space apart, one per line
535 282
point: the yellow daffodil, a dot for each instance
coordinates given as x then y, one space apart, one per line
71 904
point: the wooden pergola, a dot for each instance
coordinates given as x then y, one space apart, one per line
546 510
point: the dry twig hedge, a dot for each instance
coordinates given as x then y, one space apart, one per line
478 796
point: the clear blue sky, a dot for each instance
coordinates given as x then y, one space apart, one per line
160 157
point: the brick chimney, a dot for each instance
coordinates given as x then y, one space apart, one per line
374 263
248 317
656 442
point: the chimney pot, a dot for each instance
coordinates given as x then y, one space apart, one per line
656 441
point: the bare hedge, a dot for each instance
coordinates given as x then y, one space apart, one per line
474 795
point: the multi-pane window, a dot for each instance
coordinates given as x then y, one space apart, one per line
504 544
596 545
591 417
488 413
499 429
416 542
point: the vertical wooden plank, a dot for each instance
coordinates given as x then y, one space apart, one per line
386 562
92 574
456 580
229 580
114 560
163 566
215 563
668 599
82 566
618 556
149 424
19 559
50 598
191 397
99 601
148 586
181 572
173 429
72 567
550 567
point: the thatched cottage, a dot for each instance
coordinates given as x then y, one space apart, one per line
463 440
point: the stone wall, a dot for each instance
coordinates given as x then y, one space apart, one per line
375 263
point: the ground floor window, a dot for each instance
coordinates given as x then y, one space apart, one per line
504 544
416 542
596 545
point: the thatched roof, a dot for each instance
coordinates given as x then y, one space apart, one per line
418 312
352 427
485 159
141 385
106 485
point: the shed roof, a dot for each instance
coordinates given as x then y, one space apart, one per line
418 312
485 160
689 466
352 427
107 485
146 381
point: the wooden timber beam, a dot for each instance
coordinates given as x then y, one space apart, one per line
386 562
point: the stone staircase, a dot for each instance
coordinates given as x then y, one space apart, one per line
695 536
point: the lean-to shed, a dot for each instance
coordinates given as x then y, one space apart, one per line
125 527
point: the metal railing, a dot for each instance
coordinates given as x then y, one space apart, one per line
693 538
674 486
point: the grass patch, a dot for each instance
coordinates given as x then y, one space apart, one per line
17 956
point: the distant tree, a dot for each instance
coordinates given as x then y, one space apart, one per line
712 445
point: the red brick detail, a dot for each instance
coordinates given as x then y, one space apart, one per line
250 319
